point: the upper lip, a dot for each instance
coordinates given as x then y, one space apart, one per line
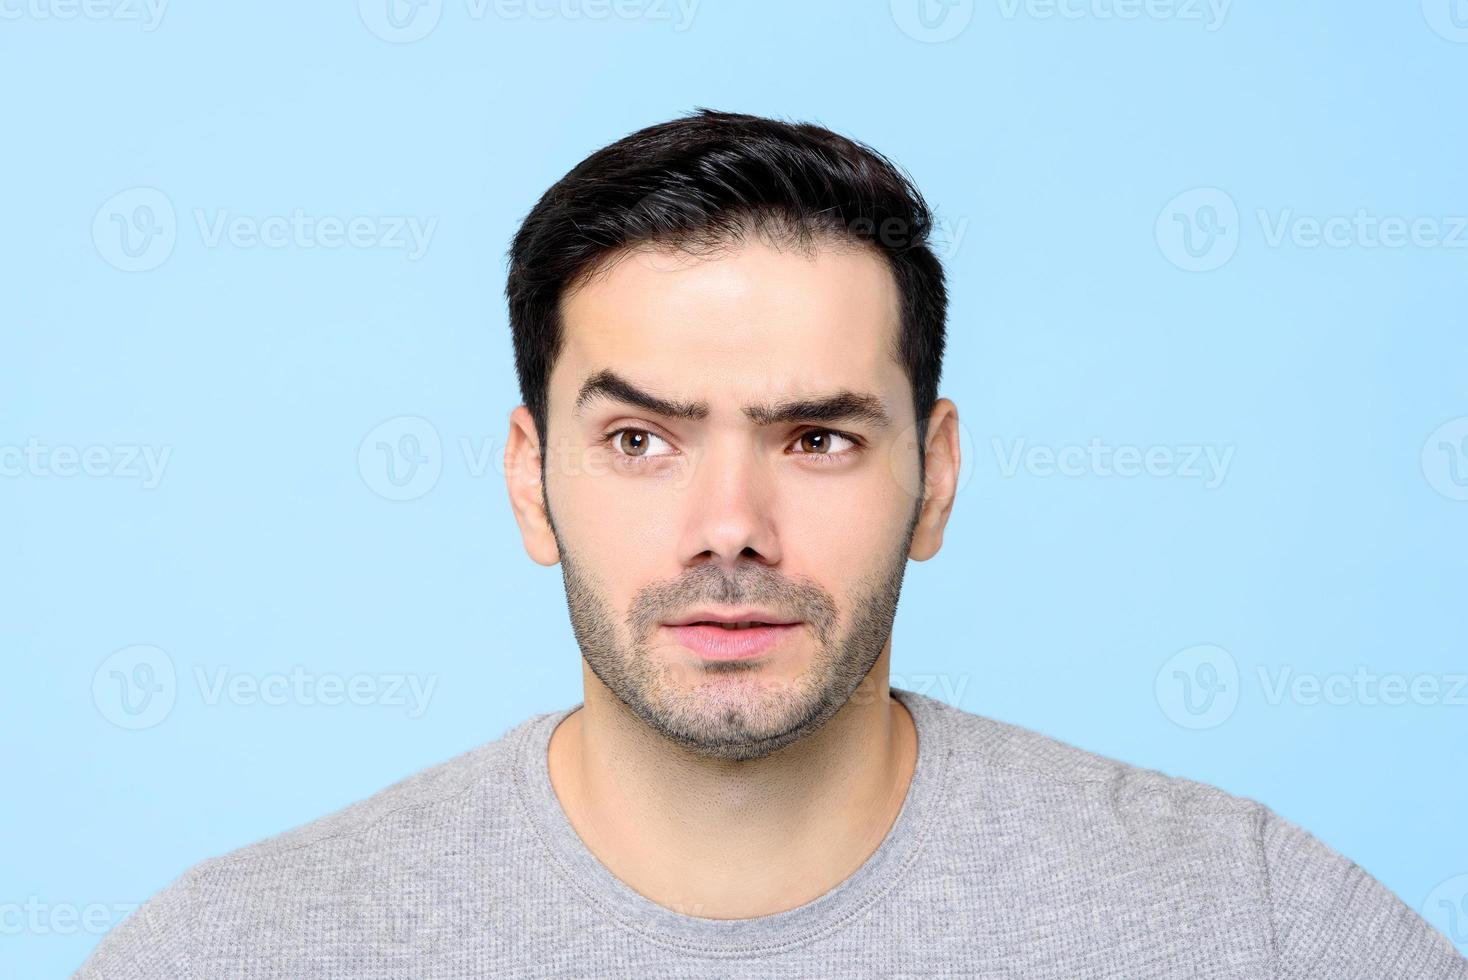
737 616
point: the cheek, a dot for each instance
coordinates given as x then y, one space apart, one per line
615 525
630 527
843 533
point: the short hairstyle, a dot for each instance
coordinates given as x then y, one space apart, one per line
707 179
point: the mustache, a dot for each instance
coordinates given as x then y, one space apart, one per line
749 585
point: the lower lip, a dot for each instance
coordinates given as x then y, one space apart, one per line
717 643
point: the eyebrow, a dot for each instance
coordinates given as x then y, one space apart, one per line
842 406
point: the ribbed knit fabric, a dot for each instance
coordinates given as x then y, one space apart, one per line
1014 856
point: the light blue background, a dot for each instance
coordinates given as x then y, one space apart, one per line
1051 148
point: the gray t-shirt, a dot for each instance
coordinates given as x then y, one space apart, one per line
1014 855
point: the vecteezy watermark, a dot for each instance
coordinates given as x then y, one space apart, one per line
301 230
401 458
1361 229
1200 230
146 13
137 687
1097 459
1445 459
942 233
948 688
37 917
121 462
1446 908
1362 686
1198 687
935 21
302 687
902 460
932 21
406 21
893 234
136 230
400 21
1209 13
1447 18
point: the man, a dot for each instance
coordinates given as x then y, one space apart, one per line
729 333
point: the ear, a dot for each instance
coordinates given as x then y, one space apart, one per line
940 482
522 479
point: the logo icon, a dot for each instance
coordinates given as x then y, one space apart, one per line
902 460
1198 688
1447 909
1448 18
401 459
1198 231
932 21
400 21
1445 459
135 230
135 687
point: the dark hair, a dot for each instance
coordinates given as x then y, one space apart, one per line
709 178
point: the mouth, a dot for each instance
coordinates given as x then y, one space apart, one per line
736 640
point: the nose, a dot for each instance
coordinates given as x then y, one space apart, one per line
730 509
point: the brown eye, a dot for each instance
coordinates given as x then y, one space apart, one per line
817 442
629 443
633 442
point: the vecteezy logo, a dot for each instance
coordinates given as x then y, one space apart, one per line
902 460
1199 687
1447 909
135 687
135 230
401 459
932 21
400 21
1198 230
1445 459
1449 18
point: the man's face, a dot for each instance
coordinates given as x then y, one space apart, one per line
705 504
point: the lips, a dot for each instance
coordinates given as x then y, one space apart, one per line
718 641
733 618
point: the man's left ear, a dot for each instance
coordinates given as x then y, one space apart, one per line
940 480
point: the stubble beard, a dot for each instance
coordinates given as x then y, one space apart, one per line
727 710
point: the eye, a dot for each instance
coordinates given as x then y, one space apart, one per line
633 443
823 443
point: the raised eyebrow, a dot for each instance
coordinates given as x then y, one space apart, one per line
843 406
610 385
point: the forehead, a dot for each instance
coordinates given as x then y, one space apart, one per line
747 317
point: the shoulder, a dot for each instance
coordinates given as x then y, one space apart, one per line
413 828
1046 775
1181 854
1100 823
435 797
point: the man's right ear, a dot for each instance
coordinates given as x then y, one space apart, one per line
522 478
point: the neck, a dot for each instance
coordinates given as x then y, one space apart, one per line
731 840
